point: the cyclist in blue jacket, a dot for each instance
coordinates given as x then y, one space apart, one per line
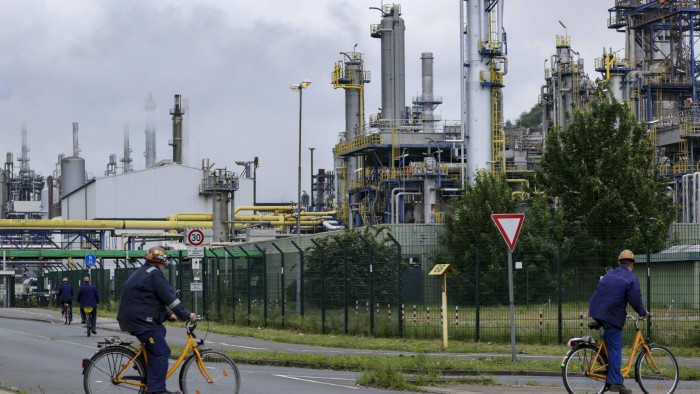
87 296
147 301
65 296
608 306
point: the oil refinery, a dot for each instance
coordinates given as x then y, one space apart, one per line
401 165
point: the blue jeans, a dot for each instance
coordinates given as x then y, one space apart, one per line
613 341
158 353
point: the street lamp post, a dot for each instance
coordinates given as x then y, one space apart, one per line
299 87
312 179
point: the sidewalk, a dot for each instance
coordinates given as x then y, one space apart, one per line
526 384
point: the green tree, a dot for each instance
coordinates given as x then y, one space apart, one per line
532 118
341 262
469 228
602 169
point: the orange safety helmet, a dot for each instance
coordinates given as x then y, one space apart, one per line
157 254
626 255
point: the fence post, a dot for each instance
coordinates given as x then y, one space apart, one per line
233 285
281 279
648 250
300 282
477 275
264 284
398 277
180 270
216 274
247 281
345 284
371 284
557 240
323 298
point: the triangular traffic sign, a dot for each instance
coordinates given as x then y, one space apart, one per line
509 225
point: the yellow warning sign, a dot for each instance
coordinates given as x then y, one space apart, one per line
440 269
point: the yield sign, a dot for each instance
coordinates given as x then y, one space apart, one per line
509 225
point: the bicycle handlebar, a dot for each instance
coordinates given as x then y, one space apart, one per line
190 325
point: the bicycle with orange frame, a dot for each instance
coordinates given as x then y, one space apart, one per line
119 367
584 368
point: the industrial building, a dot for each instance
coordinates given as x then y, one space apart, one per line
401 165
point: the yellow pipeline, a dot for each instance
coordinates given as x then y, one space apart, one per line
285 208
102 224
609 61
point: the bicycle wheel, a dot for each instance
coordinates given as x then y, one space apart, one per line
88 322
577 365
223 371
657 372
66 317
106 364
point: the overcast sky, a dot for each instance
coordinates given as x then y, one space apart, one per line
95 61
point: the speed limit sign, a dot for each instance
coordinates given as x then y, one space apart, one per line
195 237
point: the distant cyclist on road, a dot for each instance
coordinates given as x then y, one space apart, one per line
147 301
87 296
65 296
608 306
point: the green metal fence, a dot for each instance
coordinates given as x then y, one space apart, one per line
376 283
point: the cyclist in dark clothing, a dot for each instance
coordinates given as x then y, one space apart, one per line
87 296
65 296
608 306
147 301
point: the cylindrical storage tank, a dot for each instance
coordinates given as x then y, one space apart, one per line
72 174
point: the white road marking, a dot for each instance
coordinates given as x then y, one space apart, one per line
78 344
244 347
47 338
25 333
315 381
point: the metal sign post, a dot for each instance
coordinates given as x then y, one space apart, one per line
509 226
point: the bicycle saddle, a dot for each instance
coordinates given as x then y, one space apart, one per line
594 325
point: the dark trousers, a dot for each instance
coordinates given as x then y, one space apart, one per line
93 316
158 353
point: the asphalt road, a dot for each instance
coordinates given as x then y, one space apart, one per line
41 355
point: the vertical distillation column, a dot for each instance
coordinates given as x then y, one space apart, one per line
563 64
24 157
349 75
478 96
4 176
427 100
126 160
177 112
150 153
391 31
352 82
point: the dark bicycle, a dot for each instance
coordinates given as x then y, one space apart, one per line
88 319
67 312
